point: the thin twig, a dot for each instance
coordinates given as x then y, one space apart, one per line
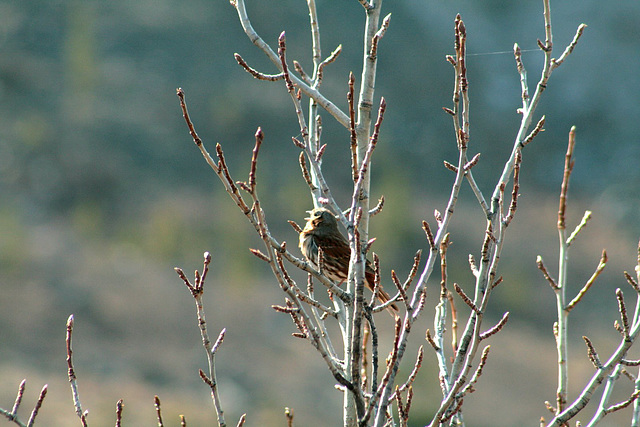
431 341
465 298
71 373
579 227
469 388
430 239
379 34
119 408
570 47
156 404
334 55
590 282
197 291
536 130
454 322
624 404
288 413
568 167
412 376
254 160
255 73
378 208
514 193
546 274
632 281
592 353
623 313
494 330
352 127
36 408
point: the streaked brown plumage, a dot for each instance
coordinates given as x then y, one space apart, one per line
321 231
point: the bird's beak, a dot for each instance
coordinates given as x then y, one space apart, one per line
309 212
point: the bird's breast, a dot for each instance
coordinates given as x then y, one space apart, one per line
309 247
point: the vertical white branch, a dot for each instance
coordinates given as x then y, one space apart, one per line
360 201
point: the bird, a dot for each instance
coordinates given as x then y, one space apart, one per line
321 231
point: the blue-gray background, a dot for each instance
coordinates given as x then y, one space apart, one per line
102 193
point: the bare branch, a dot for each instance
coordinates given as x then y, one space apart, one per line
430 240
592 353
72 374
288 413
465 298
413 271
497 282
16 405
220 167
401 291
260 255
545 273
622 405
379 34
632 282
119 408
516 187
623 313
304 76
412 375
591 281
305 172
523 76
254 160
36 408
185 114
378 208
431 341
12 416
255 73
536 130
497 328
469 388
352 127
454 322
471 163
568 167
579 227
311 92
156 404
453 168
334 55
197 291
570 47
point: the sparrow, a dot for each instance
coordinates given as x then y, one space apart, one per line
321 231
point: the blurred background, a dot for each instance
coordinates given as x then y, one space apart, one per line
102 193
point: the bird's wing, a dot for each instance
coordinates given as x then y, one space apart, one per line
337 247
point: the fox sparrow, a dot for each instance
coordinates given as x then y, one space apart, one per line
321 231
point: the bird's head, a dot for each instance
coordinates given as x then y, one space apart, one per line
321 217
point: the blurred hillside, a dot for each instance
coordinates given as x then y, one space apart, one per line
102 192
